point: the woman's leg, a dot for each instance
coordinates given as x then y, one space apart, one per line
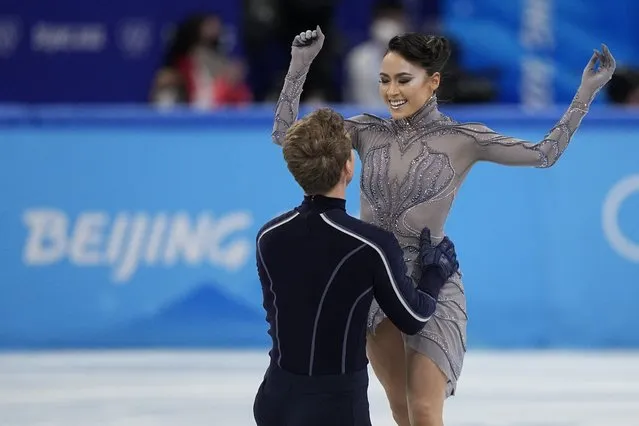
386 354
426 390
419 372
434 357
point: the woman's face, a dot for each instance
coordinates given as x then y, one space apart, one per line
404 86
211 31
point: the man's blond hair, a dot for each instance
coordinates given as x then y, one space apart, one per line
316 148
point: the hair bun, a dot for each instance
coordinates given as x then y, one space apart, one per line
429 51
440 48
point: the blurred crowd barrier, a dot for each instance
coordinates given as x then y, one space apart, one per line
129 227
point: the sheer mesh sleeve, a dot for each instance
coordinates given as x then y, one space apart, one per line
353 126
288 104
496 148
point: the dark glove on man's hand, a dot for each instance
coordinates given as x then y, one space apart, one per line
438 263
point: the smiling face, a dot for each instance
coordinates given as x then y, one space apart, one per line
405 87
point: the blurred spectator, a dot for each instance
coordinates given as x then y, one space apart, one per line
197 69
363 61
389 19
230 87
168 88
623 88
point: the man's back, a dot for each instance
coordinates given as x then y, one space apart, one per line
320 269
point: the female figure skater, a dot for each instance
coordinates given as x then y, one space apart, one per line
412 166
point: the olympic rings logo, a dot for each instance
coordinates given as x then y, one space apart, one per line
610 218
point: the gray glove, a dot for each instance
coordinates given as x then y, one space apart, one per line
593 80
306 46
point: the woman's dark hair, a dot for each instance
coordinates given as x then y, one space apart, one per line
429 51
186 36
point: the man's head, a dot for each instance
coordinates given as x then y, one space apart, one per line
318 152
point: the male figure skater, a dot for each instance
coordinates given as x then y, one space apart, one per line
320 269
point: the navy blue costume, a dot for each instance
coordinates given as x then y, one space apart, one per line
320 269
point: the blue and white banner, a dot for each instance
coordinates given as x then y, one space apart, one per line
541 46
125 228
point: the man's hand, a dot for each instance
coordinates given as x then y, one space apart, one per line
442 258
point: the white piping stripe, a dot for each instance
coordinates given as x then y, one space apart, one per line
379 251
348 326
270 228
321 304
259 251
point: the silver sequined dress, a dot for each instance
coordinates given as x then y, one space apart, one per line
411 171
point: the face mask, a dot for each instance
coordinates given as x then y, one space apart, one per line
166 97
384 29
212 44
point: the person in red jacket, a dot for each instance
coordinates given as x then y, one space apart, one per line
230 87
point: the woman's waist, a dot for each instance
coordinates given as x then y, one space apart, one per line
411 240
409 223
408 234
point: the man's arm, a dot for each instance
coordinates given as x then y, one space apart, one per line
407 307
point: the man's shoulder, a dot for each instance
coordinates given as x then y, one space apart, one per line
366 232
277 221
